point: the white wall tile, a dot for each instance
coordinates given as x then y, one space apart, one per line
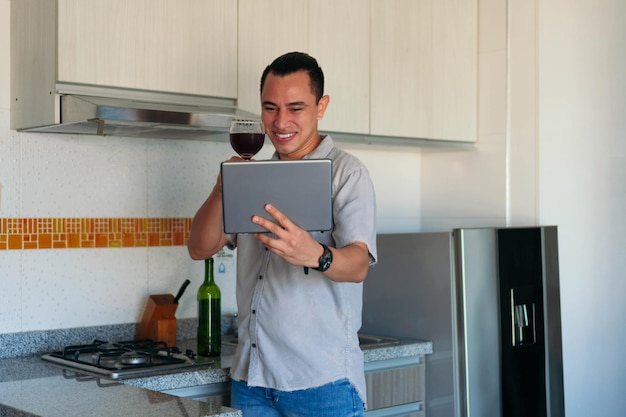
169 267
83 176
82 287
10 291
10 169
181 174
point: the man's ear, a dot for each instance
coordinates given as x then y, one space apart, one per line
321 107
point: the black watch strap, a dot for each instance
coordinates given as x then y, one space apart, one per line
325 260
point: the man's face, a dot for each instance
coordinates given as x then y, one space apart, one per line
290 114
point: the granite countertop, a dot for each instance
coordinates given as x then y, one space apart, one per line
30 386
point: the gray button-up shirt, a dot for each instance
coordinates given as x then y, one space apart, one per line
299 331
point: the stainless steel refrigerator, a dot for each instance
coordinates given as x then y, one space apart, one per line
488 299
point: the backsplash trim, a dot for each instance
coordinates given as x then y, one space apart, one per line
66 233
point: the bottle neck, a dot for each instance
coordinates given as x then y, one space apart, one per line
208 271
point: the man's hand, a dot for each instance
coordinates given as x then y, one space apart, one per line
290 242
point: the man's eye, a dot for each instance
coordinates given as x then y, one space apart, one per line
269 108
296 109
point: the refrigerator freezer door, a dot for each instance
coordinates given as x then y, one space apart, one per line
477 343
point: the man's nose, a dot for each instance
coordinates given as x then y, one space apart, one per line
281 120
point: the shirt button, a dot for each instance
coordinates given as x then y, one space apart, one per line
253 311
254 345
260 276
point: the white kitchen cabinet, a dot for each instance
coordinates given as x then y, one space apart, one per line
339 39
267 29
335 33
175 46
424 69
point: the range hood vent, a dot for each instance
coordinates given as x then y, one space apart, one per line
90 115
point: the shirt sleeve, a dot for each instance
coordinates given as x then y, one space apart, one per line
354 209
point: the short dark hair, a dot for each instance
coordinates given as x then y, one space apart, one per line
292 62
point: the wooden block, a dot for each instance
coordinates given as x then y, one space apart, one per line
158 307
164 330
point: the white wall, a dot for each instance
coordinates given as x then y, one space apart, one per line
582 187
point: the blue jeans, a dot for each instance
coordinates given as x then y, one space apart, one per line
337 399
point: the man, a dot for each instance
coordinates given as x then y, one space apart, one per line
299 294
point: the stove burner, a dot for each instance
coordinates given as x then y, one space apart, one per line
117 359
135 358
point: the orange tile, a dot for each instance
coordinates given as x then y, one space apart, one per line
15 241
128 226
30 245
102 240
46 233
128 240
45 241
87 225
153 239
26 226
73 240
178 238
43 225
87 244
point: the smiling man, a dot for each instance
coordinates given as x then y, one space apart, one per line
299 293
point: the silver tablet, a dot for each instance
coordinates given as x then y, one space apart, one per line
302 189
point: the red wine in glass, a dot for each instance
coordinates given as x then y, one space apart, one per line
247 137
247 144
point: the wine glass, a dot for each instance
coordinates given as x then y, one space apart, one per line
247 137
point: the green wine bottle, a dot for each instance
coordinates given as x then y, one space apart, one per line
209 314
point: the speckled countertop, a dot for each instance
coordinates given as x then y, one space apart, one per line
30 386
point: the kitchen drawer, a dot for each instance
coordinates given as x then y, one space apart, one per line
395 386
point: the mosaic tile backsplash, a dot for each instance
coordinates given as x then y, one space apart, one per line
62 233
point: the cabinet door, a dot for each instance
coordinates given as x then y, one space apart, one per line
178 46
393 387
267 29
339 40
424 69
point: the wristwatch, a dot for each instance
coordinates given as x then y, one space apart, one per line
325 260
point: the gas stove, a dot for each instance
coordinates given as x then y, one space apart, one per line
124 359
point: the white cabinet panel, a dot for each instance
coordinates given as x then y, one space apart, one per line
339 39
424 69
164 45
267 29
335 33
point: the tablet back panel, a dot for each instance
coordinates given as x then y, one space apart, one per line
301 189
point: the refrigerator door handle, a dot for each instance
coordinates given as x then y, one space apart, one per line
522 317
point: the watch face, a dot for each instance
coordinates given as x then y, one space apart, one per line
326 259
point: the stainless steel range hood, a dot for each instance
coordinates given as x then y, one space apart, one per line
91 115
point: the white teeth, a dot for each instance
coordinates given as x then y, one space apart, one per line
285 136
